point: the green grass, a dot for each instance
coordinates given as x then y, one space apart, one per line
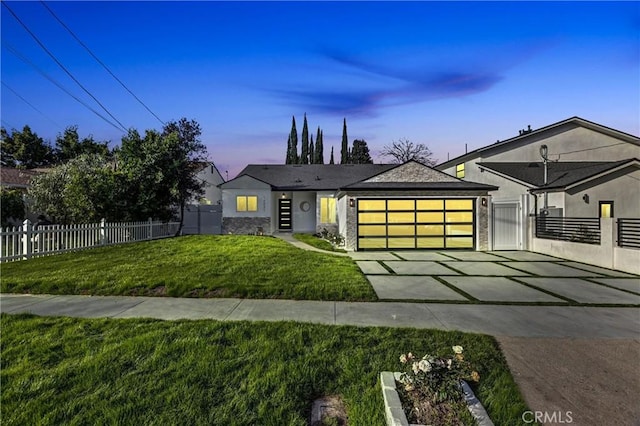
316 242
194 266
134 371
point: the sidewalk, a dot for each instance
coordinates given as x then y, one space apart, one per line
496 320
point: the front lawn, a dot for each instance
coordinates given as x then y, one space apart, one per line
317 242
105 371
194 266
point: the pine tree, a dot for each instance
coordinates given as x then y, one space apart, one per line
304 156
312 152
360 152
331 159
294 142
344 152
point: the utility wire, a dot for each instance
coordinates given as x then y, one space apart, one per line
52 80
99 61
62 66
31 105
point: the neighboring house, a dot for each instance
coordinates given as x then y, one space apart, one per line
212 179
204 215
592 171
12 178
373 206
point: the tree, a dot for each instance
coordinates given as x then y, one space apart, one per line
69 145
304 156
331 158
319 154
360 152
82 190
11 206
344 152
25 149
292 156
187 152
404 150
312 152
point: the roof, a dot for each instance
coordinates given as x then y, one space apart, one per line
559 174
16 178
575 121
435 186
311 177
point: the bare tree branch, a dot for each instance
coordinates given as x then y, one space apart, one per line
404 150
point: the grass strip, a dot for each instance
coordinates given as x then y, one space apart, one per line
136 371
194 266
317 242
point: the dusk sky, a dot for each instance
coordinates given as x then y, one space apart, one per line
444 74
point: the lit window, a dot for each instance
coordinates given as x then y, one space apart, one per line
460 170
606 208
327 210
247 203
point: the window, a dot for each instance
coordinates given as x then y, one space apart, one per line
606 208
327 210
460 170
247 203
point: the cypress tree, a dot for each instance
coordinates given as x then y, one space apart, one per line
319 148
288 159
331 159
304 155
344 152
312 152
294 142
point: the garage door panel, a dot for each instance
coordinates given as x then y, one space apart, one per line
458 204
372 204
401 205
397 243
459 242
430 204
430 230
372 243
378 217
430 243
372 230
406 230
423 217
403 217
459 217
459 229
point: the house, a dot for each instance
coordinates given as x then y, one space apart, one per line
572 168
204 215
373 206
12 178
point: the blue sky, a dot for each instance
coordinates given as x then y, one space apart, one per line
444 74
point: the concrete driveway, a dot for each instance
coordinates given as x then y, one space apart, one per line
585 380
517 277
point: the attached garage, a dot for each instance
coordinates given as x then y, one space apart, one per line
416 223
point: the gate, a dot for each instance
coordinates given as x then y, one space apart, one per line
202 219
506 226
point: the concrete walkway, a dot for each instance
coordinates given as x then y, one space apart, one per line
496 320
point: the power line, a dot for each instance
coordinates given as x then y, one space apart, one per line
52 80
31 105
99 61
62 66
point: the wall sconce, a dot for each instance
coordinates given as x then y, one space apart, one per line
283 195
585 198
352 202
484 202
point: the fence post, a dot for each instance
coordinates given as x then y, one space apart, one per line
27 246
150 233
103 232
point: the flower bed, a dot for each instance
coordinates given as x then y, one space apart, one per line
432 390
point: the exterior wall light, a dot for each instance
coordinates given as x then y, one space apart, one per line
283 195
352 202
484 202
585 198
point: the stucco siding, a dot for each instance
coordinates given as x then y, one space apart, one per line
623 191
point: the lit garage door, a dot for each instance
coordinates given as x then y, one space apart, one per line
402 223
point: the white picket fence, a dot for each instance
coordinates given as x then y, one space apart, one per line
25 242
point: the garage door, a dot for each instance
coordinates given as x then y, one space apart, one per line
420 223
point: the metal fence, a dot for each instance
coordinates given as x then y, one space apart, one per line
575 229
27 241
629 233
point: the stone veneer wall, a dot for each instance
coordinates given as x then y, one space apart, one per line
412 172
245 225
482 213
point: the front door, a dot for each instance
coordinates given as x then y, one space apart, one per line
284 214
